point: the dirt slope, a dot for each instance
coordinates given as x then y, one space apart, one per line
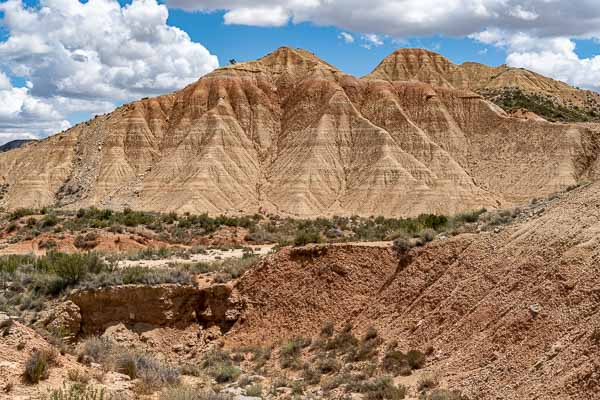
512 315
295 136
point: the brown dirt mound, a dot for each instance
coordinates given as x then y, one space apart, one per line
511 315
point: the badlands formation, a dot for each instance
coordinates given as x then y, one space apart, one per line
496 304
295 136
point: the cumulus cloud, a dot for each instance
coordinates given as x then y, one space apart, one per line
555 57
402 18
104 51
25 116
346 37
84 57
371 40
273 16
513 24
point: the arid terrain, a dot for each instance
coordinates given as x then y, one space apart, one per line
295 136
282 230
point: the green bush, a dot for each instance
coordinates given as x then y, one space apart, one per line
37 366
379 389
303 238
79 392
290 352
254 390
396 362
95 349
224 373
416 359
152 372
183 392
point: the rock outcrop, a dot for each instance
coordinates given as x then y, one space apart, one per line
137 306
143 307
295 136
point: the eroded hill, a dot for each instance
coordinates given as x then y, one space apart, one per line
511 314
513 89
293 135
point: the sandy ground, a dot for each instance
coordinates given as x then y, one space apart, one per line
211 255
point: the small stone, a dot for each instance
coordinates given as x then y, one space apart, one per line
534 310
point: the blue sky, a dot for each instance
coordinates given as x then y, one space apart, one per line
78 58
247 42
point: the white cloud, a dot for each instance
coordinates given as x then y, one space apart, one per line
554 57
104 51
520 12
272 16
537 34
371 40
24 116
346 37
86 56
404 18
4 81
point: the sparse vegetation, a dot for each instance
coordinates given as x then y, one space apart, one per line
219 365
184 392
152 372
512 99
37 366
79 392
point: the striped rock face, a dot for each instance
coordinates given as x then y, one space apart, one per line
293 135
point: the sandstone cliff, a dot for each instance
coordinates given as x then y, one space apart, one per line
296 136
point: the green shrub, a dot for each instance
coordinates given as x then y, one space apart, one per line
254 390
37 366
79 392
303 238
152 372
289 355
95 349
183 392
20 213
379 389
396 362
416 359
220 366
224 373
311 376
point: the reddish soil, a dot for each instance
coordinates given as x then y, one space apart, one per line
511 315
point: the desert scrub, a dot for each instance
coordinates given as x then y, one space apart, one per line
219 365
95 349
305 237
152 372
378 389
291 351
259 355
427 382
79 392
442 394
396 363
255 390
184 392
37 367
